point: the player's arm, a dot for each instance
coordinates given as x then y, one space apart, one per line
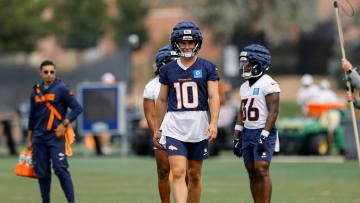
29 140
149 111
237 148
74 105
160 111
239 124
161 106
214 105
70 100
272 103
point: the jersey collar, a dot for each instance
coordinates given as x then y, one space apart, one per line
178 61
252 81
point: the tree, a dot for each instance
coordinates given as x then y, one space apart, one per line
279 20
130 20
79 24
21 24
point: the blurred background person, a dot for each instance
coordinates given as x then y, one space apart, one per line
325 95
105 137
101 140
307 92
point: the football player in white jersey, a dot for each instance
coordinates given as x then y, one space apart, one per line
189 89
255 136
151 92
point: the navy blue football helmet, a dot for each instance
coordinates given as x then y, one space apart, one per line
254 61
186 30
165 55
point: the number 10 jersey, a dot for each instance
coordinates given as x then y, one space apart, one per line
186 117
253 102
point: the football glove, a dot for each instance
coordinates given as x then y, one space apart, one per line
237 147
261 145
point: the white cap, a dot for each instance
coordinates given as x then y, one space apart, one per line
324 84
307 79
108 78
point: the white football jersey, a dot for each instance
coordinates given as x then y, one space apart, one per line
186 126
152 89
253 102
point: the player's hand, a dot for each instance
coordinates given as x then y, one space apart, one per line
156 139
350 96
60 131
29 146
346 65
212 132
263 137
237 147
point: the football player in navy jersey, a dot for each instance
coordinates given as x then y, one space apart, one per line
189 89
255 135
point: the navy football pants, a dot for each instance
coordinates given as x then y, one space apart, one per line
45 153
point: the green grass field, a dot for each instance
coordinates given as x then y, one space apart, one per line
116 180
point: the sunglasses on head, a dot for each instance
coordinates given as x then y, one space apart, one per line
47 72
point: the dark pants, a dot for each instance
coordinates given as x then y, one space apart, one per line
10 141
49 150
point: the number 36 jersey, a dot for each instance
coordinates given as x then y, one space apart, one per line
253 102
186 118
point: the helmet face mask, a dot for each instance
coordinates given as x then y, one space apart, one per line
186 31
254 61
183 45
249 69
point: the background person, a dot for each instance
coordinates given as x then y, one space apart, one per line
46 131
325 95
307 92
102 140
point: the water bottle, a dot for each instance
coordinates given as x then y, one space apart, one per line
29 161
21 158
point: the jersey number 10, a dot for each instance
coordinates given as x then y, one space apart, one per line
182 95
250 113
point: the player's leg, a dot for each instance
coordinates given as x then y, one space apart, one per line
177 153
195 186
248 142
178 167
60 166
105 139
41 158
250 167
163 170
262 171
197 152
262 165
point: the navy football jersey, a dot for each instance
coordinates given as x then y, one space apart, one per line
188 88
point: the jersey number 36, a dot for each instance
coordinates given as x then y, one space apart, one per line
250 112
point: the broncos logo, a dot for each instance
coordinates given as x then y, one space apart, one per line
172 148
